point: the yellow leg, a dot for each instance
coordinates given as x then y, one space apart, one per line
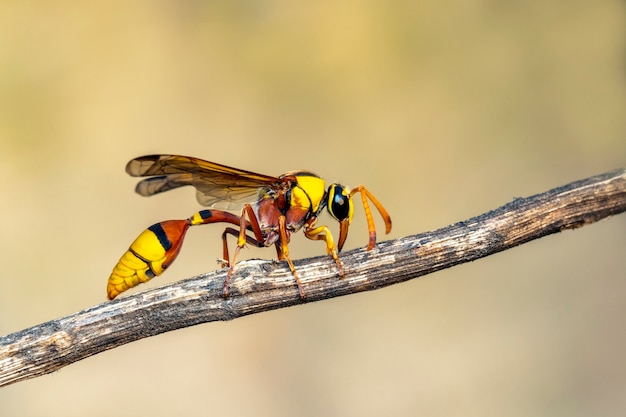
323 233
284 249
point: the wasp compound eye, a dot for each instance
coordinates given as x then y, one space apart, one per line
339 204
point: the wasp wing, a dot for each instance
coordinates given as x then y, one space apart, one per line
216 185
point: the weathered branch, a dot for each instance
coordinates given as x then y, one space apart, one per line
264 285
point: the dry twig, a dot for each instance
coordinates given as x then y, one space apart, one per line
261 285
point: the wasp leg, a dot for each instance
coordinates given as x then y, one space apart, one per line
226 262
235 232
323 233
368 213
279 252
282 248
242 238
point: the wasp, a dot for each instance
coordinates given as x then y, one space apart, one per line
271 209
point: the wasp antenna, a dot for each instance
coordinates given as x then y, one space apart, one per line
371 226
383 213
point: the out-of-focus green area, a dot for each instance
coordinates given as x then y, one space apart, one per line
443 109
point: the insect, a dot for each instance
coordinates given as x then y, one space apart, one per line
272 208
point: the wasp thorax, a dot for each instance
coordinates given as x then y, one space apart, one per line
339 202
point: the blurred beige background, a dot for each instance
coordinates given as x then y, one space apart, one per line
443 109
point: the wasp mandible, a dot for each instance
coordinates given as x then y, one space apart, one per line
272 208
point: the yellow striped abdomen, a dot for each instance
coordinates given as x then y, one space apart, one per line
148 256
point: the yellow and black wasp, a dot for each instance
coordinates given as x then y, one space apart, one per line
271 209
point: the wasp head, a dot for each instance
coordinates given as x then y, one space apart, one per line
339 204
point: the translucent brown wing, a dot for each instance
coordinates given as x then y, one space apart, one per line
216 185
